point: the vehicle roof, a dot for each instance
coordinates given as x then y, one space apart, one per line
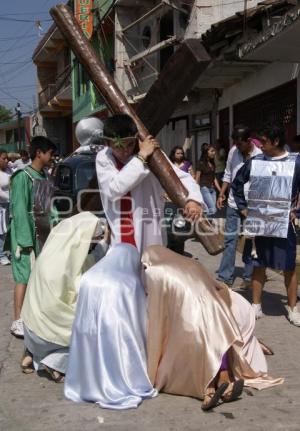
77 159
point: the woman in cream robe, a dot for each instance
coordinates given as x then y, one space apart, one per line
51 296
193 321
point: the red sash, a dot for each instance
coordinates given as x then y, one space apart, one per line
126 217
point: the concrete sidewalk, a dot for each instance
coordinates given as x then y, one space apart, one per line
34 403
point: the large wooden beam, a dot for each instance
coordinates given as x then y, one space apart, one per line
173 83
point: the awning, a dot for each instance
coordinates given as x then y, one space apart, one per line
279 42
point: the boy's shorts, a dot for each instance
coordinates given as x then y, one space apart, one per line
277 253
21 268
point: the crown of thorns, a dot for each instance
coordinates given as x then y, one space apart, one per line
120 142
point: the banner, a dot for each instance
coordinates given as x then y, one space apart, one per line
84 15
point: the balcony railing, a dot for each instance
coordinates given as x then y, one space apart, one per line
62 81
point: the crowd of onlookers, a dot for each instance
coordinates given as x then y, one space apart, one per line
215 172
210 168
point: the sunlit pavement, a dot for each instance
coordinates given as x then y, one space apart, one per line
34 403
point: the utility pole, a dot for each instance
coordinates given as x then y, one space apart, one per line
19 116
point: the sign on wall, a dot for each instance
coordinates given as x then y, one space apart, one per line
84 15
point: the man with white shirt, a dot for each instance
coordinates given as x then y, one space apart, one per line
242 150
4 203
22 162
123 173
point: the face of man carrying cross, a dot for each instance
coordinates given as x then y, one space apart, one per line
122 136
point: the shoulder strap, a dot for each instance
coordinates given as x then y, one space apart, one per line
258 157
18 172
28 174
293 156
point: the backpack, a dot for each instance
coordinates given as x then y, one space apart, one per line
43 191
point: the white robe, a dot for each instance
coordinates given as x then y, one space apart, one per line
108 363
146 193
4 200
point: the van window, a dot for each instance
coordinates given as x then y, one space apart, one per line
64 178
85 172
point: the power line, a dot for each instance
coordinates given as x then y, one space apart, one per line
15 62
20 90
24 13
15 98
3 39
13 76
18 47
13 45
13 68
23 20
20 86
15 48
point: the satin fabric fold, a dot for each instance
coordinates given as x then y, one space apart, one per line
191 325
51 295
107 362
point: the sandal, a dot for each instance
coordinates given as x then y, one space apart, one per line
27 362
213 397
55 375
266 349
234 391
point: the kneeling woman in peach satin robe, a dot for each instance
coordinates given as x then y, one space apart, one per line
200 338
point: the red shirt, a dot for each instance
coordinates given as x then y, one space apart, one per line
126 217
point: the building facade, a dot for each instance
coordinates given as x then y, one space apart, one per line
15 135
54 115
252 77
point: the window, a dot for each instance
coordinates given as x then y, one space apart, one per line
146 36
81 79
85 172
64 178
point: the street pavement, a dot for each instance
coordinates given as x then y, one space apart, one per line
34 403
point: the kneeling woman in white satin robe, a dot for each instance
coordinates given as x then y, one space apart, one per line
108 363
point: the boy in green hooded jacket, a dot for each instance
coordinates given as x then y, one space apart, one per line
22 230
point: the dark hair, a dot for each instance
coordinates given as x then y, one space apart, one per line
241 133
24 153
204 155
173 151
119 126
204 146
273 132
40 143
2 152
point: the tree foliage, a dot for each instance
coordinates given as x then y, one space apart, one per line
5 114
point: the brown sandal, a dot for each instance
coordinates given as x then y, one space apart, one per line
214 397
266 349
233 391
55 375
27 362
